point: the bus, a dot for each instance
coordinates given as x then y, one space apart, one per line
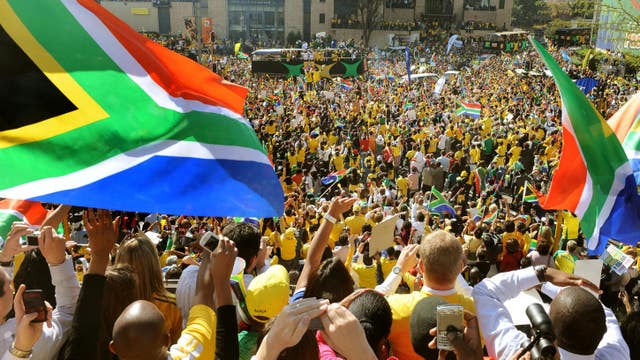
294 61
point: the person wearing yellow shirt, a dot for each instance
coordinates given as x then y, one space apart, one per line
515 154
356 221
565 260
475 154
388 262
292 158
367 270
403 186
302 153
441 261
338 161
313 144
501 150
570 228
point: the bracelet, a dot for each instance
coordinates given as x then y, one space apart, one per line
330 218
7 263
19 353
541 271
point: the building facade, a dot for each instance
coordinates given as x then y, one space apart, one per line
273 21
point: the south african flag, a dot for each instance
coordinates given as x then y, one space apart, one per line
94 114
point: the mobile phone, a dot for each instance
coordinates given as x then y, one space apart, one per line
32 239
34 302
448 315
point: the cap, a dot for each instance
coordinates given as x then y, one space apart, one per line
423 318
268 293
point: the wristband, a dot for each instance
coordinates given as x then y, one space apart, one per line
7 263
541 271
330 218
19 353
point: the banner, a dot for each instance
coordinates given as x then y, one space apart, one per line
207 28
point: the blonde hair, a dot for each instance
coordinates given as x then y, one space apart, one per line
141 255
441 254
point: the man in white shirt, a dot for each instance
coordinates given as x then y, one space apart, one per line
584 328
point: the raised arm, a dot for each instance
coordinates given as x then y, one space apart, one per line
103 233
320 239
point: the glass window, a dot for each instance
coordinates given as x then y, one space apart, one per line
321 20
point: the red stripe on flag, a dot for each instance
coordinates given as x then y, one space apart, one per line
569 179
176 74
32 210
472 105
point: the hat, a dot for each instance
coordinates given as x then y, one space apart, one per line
423 318
268 293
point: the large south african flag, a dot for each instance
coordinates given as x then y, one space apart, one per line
594 178
94 114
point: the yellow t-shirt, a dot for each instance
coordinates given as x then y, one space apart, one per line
401 307
288 247
387 265
355 223
166 303
403 186
571 226
366 275
198 339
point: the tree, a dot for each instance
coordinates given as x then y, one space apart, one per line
293 37
370 15
582 8
527 13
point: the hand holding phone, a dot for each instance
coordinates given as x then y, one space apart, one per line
448 315
34 303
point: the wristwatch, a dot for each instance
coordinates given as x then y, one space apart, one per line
22 354
330 218
396 270
541 271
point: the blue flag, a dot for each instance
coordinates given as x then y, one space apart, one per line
587 84
407 56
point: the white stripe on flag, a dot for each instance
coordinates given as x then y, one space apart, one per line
587 190
129 159
105 39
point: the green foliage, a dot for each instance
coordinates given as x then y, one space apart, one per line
582 8
527 13
293 37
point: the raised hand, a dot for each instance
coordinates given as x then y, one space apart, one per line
52 246
103 233
12 244
290 325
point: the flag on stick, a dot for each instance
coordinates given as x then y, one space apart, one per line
594 178
440 204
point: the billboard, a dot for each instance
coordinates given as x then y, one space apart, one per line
619 26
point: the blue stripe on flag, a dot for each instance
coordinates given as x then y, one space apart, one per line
441 208
236 190
622 218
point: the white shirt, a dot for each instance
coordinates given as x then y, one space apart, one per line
64 278
500 334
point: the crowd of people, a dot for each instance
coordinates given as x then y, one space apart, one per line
313 282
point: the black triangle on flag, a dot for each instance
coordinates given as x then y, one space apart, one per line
27 96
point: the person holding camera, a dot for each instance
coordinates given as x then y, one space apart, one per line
583 327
